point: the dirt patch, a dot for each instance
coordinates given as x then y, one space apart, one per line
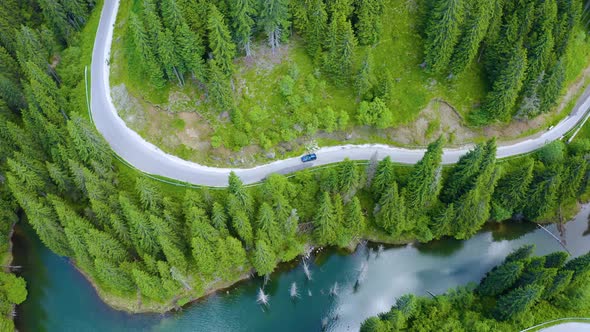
128 107
263 58
437 119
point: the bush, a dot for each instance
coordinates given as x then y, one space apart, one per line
552 153
375 113
286 85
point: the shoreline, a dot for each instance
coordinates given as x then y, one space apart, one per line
124 304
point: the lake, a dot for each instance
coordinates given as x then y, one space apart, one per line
60 299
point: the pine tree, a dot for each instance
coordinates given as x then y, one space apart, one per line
172 14
517 301
550 88
499 102
424 183
264 259
170 58
500 279
542 195
274 20
222 47
268 228
219 218
368 25
203 256
102 245
472 210
463 175
236 188
55 15
340 49
355 221
219 89
314 29
323 221
384 177
363 82
242 228
510 194
190 49
149 285
442 33
242 13
391 214
349 178
476 25
560 283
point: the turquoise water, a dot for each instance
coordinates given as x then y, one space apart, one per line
60 299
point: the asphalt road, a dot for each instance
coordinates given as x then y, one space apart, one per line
150 159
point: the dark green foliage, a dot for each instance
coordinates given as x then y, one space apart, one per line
368 26
264 259
477 20
517 301
274 20
325 230
520 254
497 304
442 33
375 113
222 47
425 182
339 49
500 279
130 233
556 259
500 101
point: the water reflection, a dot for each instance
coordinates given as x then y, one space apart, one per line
61 300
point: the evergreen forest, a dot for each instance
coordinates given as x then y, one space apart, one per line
151 246
514 53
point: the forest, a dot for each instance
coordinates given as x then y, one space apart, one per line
520 48
150 246
522 291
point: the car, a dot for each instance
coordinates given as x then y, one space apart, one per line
309 157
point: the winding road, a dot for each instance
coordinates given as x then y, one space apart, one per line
150 159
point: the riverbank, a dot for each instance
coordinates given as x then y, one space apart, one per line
436 267
184 300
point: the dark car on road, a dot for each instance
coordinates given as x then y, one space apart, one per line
309 157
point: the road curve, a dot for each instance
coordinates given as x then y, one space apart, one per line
150 159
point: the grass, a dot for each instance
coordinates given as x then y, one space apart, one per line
282 125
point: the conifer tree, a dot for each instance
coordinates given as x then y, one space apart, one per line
274 20
363 82
315 27
368 25
222 47
384 177
242 13
219 89
340 49
190 49
323 221
425 180
242 227
517 301
391 214
500 279
264 259
463 175
203 256
442 33
476 25
500 101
